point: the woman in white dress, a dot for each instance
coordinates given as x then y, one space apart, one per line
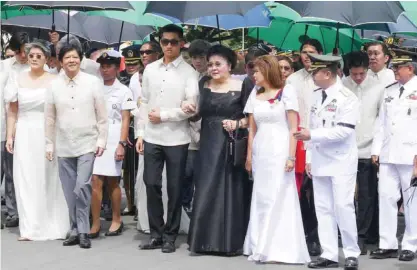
108 167
275 232
43 212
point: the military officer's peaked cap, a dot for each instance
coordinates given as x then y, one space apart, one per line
132 54
402 56
319 61
110 57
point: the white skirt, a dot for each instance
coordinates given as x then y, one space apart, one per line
107 165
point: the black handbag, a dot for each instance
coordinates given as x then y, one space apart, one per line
238 147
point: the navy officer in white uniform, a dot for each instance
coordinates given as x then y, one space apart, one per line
332 160
395 148
108 167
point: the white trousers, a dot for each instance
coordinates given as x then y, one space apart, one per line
334 201
392 179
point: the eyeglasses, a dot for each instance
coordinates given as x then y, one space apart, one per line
286 68
148 52
173 42
38 56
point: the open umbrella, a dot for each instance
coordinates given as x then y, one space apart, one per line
352 13
41 24
255 17
134 16
288 35
187 10
71 5
110 31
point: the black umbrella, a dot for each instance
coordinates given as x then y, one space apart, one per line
352 13
72 5
110 31
40 25
187 10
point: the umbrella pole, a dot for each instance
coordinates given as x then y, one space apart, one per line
53 20
39 33
120 37
218 28
68 24
243 39
336 44
353 38
257 35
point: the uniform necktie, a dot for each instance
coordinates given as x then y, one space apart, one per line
323 96
401 91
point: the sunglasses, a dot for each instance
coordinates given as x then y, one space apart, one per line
251 65
148 52
173 42
38 56
286 68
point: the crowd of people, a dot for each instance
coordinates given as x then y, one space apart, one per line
273 164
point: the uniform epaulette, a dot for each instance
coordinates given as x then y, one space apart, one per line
345 91
318 89
388 86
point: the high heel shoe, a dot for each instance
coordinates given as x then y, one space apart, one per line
94 235
116 232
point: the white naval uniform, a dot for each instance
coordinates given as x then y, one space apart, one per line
333 154
118 98
395 143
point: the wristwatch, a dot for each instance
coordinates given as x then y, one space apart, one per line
124 143
291 158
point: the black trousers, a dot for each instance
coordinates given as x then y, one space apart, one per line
367 210
188 185
308 211
175 158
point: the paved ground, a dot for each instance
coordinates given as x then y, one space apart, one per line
122 253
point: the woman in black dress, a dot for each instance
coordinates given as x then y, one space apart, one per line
220 215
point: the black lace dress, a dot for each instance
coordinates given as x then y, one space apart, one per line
222 191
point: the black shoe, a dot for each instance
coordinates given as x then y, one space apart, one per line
129 212
351 263
2 226
94 235
323 263
384 253
116 232
152 244
84 241
135 218
11 223
314 249
363 247
407 256
168 247
71 241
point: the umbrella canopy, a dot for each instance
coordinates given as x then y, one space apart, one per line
110 31
187 10
73 5
352 13
10 12
42 25
134 16
256 17
289 35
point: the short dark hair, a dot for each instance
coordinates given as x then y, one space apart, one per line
18 40
68 48
224 52
90 52
255 51
384 47
358 59
155 46
171 28
199 47
53 50
312 42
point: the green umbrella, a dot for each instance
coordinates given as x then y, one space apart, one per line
286 33
134 16
10 12
289 35
410 8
